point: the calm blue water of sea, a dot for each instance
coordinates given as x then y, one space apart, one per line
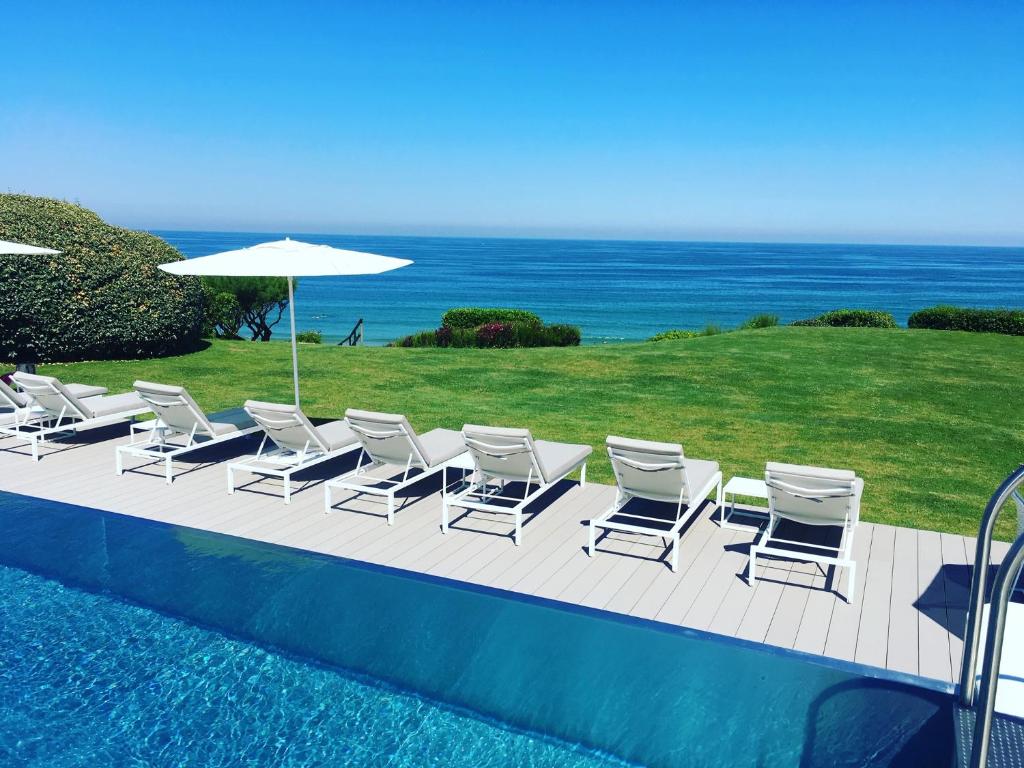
629 290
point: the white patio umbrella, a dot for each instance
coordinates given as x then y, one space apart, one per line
287 258
7 248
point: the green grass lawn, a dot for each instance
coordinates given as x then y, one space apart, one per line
930 419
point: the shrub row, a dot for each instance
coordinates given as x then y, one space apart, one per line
496 335
852 318
474 317
947 318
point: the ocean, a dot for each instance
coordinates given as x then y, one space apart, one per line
618 290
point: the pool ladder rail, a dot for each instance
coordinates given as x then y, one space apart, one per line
986 738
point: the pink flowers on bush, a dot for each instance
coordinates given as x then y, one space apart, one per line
496 335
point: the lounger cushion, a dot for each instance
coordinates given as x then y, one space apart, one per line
11 397
845 475
644 446
108 405
336 435
367 418
85 390
558 459
231 420
699 473
440 445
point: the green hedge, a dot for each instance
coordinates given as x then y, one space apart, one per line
852 318
948 318
101 298
675 333
474 317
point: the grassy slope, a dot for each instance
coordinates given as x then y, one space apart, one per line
931 419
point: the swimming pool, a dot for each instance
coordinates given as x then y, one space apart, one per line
124 641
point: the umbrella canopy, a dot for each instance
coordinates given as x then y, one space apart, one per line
7 248
291 259
286 258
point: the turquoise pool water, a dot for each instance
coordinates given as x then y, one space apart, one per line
126 642
88 680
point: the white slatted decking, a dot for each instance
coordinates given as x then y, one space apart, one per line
912 593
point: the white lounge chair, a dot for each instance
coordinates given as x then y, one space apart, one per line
298 445
810 496
180 427
512 455
16 407
59 413
388 439
656 472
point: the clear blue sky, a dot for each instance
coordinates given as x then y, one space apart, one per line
818 121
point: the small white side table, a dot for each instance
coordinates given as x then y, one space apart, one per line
747 487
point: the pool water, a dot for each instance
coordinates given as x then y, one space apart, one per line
88 680
129 642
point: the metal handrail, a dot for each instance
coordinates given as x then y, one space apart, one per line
1002 589
976 603
355 336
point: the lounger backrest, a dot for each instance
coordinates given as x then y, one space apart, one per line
649 470
387 438
812 495
174 407
10 397
287 426
508 454
52 396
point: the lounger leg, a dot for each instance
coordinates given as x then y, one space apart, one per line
391 509
851 582
519 526
583 475
752 567
675 553
592 543
118 462
231 480
35 447
287 489
168 470
444 500
327 499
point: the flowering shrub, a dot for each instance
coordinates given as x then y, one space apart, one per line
496 335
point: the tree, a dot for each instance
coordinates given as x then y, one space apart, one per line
261 301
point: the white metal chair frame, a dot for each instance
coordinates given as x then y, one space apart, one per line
692 503
23 414
157 447
281 461
839 556
415 461
478 495
47 426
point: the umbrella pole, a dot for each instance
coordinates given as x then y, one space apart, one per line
295 348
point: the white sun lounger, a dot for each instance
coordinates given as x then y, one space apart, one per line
16 407
512 455
656 472
298 445
388 439
180 427
59 413
811 496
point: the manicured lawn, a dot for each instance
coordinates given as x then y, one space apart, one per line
931 419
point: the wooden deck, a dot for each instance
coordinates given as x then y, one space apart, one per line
912 590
